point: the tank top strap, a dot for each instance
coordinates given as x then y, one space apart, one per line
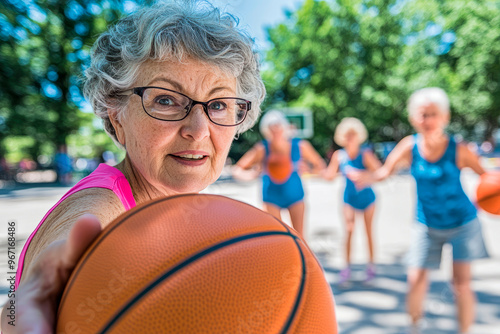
266 146
451 150
295 151
414 150
343 161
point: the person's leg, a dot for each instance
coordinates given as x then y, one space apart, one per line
424 254
465 297
349 218
468 245
368 215
297 211
272 209
370 268
417 289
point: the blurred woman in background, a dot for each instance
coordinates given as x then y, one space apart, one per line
351 134
281 158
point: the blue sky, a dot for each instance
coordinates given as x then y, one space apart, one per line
255 15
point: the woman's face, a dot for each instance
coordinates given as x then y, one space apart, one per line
351 138
277 131
178 156
429 119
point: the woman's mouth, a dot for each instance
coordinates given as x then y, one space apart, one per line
191 156
190 159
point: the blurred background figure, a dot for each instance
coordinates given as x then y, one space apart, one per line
444 215
281 158
351 134
63 166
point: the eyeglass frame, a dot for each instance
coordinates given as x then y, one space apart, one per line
140 92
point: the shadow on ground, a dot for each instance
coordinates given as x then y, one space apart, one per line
379 306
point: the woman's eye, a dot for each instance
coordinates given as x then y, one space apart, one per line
165 101
217 106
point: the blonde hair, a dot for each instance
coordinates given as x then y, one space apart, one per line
273 117
432 95
350 124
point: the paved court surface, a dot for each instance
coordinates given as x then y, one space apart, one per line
371 309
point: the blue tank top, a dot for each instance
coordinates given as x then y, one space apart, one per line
290 191
345 162
357 198
441 200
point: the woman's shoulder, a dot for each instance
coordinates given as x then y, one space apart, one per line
407 143
101 202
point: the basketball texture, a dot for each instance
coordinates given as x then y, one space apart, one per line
197 264
488 192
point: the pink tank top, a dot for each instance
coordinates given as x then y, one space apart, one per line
104 176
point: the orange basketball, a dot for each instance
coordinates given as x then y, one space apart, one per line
197 264
279 168
488 192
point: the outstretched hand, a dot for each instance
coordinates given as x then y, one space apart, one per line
37 298
361 178
245 174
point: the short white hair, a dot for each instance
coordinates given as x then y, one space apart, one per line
350 124
427 95
273 117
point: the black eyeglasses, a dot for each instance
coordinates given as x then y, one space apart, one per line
169 105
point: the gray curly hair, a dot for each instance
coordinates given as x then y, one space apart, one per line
164 31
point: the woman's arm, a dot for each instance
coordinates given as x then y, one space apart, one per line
467 158
100 202
37 299
52 255
399 156
333 167
243 170
310 155
371 162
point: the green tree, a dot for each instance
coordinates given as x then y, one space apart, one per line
456 45
363 58
340 59
45 46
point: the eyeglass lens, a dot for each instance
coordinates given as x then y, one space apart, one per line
171 106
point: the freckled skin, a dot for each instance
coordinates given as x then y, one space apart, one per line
150 142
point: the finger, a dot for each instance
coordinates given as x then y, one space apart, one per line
85 230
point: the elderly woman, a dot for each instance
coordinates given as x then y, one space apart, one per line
174 83
351 133
280 156
444 213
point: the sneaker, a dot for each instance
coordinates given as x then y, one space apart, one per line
417 328
370 273
345 276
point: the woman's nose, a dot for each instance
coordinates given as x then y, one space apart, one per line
196 125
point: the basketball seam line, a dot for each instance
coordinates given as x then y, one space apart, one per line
185 263
298 299
127 215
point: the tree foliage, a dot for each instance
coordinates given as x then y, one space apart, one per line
456 45
45 46
360 58
363 58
